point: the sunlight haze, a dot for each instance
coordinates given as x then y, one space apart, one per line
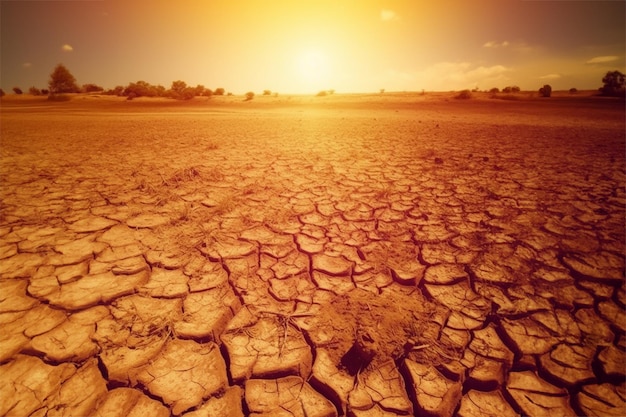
307 46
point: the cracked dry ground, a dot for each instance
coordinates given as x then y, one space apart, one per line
437 259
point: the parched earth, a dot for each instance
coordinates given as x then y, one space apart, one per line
376 259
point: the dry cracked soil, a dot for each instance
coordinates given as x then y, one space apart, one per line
360 256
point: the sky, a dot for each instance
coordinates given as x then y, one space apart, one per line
304 46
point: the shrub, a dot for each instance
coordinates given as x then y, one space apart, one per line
2 93
545 91
321 93
511 89
44 91
62 81
613 84
142 89
494 90
34 91
92 88
207 92
17 90
267 92
465 94
573 91
219 91
249 95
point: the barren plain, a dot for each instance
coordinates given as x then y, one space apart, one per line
383 255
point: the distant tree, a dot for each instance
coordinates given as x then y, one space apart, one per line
507 90
199 90
322 93
573 90
219 91
178 86
229 94
545 91
34 91
613 84
140 89
494 90
2 93
17 90
207 92
515 89
62 81
44 91
92 88
267 92
249 96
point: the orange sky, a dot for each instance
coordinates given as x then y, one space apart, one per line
302 46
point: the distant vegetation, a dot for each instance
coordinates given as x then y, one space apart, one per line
613 84
511 89
545 91
62 81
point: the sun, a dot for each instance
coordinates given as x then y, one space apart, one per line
313 69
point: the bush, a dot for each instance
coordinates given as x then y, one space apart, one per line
321 93
142 89
44 91
62 81
249 96
92 88
2 93
219 91
613 84
545 91
494 90
465 94
511 89
34 91
573 91
267 92
17 90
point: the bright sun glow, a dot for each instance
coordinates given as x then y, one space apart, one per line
313 68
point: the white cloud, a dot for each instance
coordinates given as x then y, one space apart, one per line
602 59
550 77
387 15
67 48
494 44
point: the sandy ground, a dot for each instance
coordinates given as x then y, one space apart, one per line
396 254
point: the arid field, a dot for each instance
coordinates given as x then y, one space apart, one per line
360 255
